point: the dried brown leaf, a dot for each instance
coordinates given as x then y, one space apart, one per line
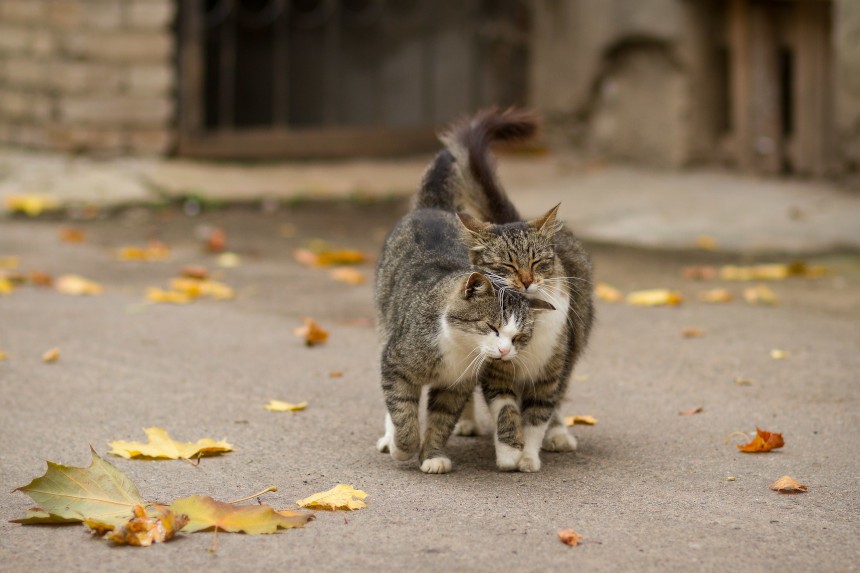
692 411
51 355
569 537
692 332
763 441
787 484
312 332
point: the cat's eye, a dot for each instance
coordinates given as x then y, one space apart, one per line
516 339
493 328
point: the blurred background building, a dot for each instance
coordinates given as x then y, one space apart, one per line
768 86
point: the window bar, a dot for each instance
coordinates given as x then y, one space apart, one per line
281 73
227 71
191 62
428 69
331 49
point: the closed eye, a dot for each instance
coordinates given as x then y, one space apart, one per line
516 339
493 328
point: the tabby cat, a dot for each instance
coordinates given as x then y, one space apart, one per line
441 324
539 258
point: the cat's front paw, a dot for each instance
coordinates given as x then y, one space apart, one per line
382 443
507 457
436 466
529 464
558 439
398 454
467 428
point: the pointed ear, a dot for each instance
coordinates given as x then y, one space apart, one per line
547 222
471 224
477 284
540 304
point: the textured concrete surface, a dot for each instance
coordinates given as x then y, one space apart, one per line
648 488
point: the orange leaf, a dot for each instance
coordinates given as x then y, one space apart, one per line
51 355
326 258
607 293
348 275
692 411
699 273
72 235
312 332
143 530
569 537
217 241
787 484
763 441
716 295
692 332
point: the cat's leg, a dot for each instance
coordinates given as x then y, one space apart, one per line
402 435
499 392
557 437
444 406
468 423
539 403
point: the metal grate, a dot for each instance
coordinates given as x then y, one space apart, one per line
264 78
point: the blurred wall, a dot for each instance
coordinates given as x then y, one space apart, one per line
87 75
847 77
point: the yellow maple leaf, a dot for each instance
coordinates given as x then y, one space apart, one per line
31 204
161 445
778 354
51 355
579 420
6 286
77 285
341 496
655 297
206 513
716 295
157 295
279 406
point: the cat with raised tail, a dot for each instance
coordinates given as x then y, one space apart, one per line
441 323
539 258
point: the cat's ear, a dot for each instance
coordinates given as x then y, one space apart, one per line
476 284
547 223
540 304
472 225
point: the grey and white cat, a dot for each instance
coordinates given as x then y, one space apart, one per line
541 259
440 324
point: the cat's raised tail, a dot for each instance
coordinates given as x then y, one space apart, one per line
469 142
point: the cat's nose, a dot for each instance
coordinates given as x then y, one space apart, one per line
527 281
504 350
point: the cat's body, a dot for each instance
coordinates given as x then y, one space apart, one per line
539 258
440 323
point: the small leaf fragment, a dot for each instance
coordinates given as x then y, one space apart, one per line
655 297
154 251
216 242
279 406
326 257
706 242
157 295
161 445
579 421
6 286
204 513
692 332
77 285
763 441
335 374
607 293
143 530
9 262
51 355
228 260
3 356
787 484
72 235
716 295
312 332
569 537
341 496
778 354
699 273
31 204
348 275
741 381
692 411
760 294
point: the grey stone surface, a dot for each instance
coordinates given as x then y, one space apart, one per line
648 489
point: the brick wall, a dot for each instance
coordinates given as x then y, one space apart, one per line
94 76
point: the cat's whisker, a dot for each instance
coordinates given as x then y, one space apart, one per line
471 363
568 278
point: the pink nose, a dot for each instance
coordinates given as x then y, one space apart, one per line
504 351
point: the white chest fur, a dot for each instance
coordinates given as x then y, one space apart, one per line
460 356
549 327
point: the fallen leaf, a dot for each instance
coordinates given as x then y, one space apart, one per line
348 275
760 294
569 537
161 445
692 332
157 295
31 204
763 441
787 484
76 285
770 272
194 272
580 377
154 251
716 295
706 242
51 355
335 374
312 332
692 411
68 494
655 297
6 286
607 293
216 242
204 513
741 381
228 260
3 356
205 288
143 529
731 478
341 496
278 406
41 279
579 421
778 354
72 235
699 273
8 262
325 257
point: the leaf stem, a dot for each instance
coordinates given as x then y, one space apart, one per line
258 494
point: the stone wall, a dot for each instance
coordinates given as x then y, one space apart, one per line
847 73
94 76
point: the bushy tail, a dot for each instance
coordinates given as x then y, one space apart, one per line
469 142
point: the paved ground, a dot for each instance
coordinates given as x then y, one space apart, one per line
648 488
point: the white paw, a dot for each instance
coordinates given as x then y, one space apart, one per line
382 444
436 466
558 439
507 457
399 454
529 464
467 428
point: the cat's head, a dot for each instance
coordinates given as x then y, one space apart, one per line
497 322
517 255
